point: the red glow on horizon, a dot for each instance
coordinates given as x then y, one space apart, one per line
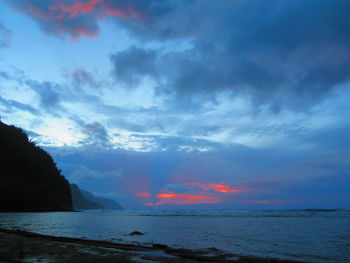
182 196
177 201
143 194
223 188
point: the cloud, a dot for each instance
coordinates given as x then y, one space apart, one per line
285 54
180 196
134 64
96 135
48 98
83 173
80 78
177 188
5 36
77 19
49 94
13 105
223 188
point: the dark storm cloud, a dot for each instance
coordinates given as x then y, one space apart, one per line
285 53
163 19
133 64
5 36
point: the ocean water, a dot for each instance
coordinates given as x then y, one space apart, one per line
305 235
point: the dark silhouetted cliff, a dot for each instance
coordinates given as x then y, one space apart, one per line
29 178
80 202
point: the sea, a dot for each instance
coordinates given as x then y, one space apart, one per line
309 235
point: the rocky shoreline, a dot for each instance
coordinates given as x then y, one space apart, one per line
23 246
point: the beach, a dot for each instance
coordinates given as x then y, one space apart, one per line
23 246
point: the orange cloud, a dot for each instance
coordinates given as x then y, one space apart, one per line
104 9
182 196
76 8
170 197
65 19
223 188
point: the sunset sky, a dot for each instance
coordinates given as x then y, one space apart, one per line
185 103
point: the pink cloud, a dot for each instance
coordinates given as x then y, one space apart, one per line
186 196
76 8
75 19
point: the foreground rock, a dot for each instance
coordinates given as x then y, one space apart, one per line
136 233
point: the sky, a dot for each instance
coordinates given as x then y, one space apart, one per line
185 104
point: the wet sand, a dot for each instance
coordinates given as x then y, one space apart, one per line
22 246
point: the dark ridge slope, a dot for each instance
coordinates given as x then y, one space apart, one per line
29 178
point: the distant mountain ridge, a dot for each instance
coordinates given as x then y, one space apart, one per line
84 200
106 203
80 202
29 178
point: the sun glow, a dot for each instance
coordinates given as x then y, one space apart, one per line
191 193
182 196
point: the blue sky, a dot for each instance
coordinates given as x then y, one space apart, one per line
187 103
